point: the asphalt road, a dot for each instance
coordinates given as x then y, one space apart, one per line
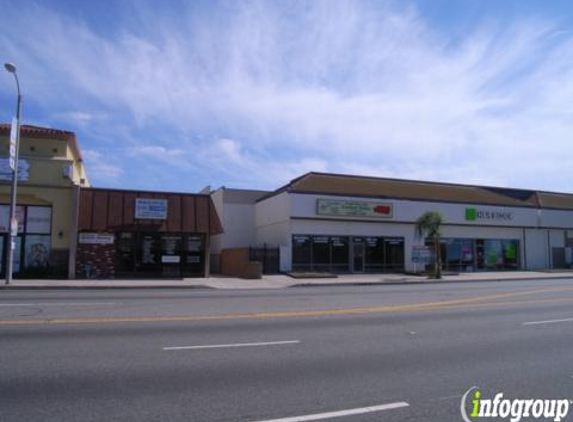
394 353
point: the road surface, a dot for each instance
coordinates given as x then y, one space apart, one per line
348 354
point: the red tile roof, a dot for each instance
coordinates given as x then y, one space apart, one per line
38 132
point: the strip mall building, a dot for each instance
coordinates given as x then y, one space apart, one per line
317 222
341 223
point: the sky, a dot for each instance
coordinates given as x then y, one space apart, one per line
177 95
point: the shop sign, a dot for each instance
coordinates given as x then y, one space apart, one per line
341 208
421 254
6 171
151 209
476 214
96 238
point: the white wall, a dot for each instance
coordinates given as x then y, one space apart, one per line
303 205
536 249
274 226
239 225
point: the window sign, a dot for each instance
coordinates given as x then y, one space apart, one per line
151 209
39 220
340 208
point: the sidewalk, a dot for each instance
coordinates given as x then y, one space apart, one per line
280 281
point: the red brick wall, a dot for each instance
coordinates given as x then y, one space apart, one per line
95 261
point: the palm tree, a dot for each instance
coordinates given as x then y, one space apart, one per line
428 225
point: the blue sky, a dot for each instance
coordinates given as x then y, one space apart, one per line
176 95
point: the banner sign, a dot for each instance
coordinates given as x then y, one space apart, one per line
97 238
342 208
151 209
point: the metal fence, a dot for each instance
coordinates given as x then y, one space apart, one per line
268 257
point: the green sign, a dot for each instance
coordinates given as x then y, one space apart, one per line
471 214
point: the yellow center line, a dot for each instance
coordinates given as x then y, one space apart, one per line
425 306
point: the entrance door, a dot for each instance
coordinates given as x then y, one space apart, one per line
358 257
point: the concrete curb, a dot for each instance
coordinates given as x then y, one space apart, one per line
297 285
77 287
426 282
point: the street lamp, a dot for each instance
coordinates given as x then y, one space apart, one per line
14 151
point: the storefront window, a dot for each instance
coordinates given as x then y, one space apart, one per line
37 252
320 253
337 253
340 258
301 253
481 254
394 253
194 255
374 255
33 244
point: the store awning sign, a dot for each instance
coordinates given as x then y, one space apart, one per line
151 209
343 208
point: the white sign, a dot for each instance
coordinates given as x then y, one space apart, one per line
96 238
422 254
13 138
151 209
6 171
38 220
170 259
335 207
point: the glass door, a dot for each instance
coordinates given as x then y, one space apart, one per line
358 257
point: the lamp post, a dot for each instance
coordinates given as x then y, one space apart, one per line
14 151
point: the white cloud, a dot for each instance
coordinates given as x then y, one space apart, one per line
101 165
328 86
156 151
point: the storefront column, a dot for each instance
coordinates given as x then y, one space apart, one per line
207 257
74 233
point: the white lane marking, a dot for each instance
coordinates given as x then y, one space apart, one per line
552 321
340 413
60 304
220 346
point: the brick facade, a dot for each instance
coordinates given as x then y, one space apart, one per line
95 261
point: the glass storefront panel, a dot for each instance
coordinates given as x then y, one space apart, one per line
125 253
37 252
461 255
171 251
339 253
301 253
374 254
194 256
394 253
320 253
